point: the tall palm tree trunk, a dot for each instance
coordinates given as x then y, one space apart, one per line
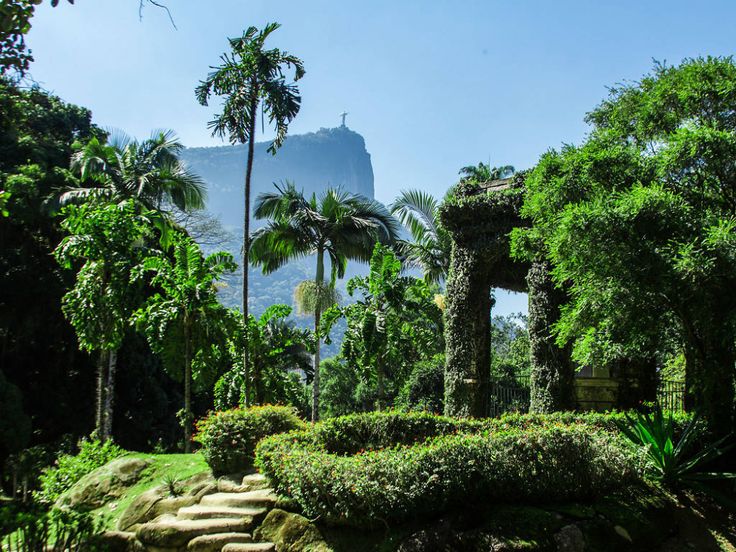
100 393
187 387
109 395
319 279
246 243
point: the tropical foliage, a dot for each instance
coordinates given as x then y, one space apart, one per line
393 323
338 225
106 242
430 245
638 221
252 77
150 172
183 319
676 462
280 356
484 173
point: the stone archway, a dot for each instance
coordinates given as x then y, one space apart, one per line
479 219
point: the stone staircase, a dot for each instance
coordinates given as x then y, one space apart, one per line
221 522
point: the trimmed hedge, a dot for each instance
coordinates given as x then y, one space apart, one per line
418 464
229 437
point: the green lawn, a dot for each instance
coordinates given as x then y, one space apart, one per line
178 466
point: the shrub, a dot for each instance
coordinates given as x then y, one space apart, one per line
36 529
375 430
229 438
676 462
424 389
70 468
403 475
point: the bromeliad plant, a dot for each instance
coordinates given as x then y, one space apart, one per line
675 462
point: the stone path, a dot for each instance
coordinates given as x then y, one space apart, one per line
221 522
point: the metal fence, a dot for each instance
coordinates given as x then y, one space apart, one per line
509 395
671 395
512 395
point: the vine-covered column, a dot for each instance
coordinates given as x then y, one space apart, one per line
553 374
467 335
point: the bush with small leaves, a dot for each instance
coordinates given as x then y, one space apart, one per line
229 438
70 468
412 465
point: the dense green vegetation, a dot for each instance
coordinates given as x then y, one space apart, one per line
229 437
112 326
325 471
638 226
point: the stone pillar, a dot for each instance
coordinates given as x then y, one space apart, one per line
467 335
553 374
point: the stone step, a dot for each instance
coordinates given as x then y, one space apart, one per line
250 547
178 532
262 498
250 482
215 542
204 511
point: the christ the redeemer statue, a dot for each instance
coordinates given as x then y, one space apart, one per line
343 115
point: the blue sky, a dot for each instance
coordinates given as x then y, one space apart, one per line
432 85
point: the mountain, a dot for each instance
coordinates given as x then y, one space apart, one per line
334 157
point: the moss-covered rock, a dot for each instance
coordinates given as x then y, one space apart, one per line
104 484
158 501
291 533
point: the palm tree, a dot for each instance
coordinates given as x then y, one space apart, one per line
250 77
179 319
430 247
485 173
337 224
150 172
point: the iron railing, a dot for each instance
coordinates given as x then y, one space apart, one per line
513 395
509 395
671 395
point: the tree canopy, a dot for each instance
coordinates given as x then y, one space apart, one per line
639 223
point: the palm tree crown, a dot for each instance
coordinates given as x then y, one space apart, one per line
484 173
430 247
342 225
248 76
149 171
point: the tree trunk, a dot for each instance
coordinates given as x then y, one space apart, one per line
379 385
319 279
109 395
467 336
246 245
187 388
553 375
100 392
710 371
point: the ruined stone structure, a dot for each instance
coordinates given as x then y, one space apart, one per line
479 218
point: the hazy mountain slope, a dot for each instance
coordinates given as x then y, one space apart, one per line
334 157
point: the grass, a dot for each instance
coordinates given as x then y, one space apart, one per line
176 466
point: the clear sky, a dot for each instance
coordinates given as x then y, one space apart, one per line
432 85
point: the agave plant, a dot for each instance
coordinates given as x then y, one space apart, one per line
675 462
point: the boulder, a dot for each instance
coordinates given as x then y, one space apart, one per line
291 533
103 484
120 541
141 510
156 502
570 539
